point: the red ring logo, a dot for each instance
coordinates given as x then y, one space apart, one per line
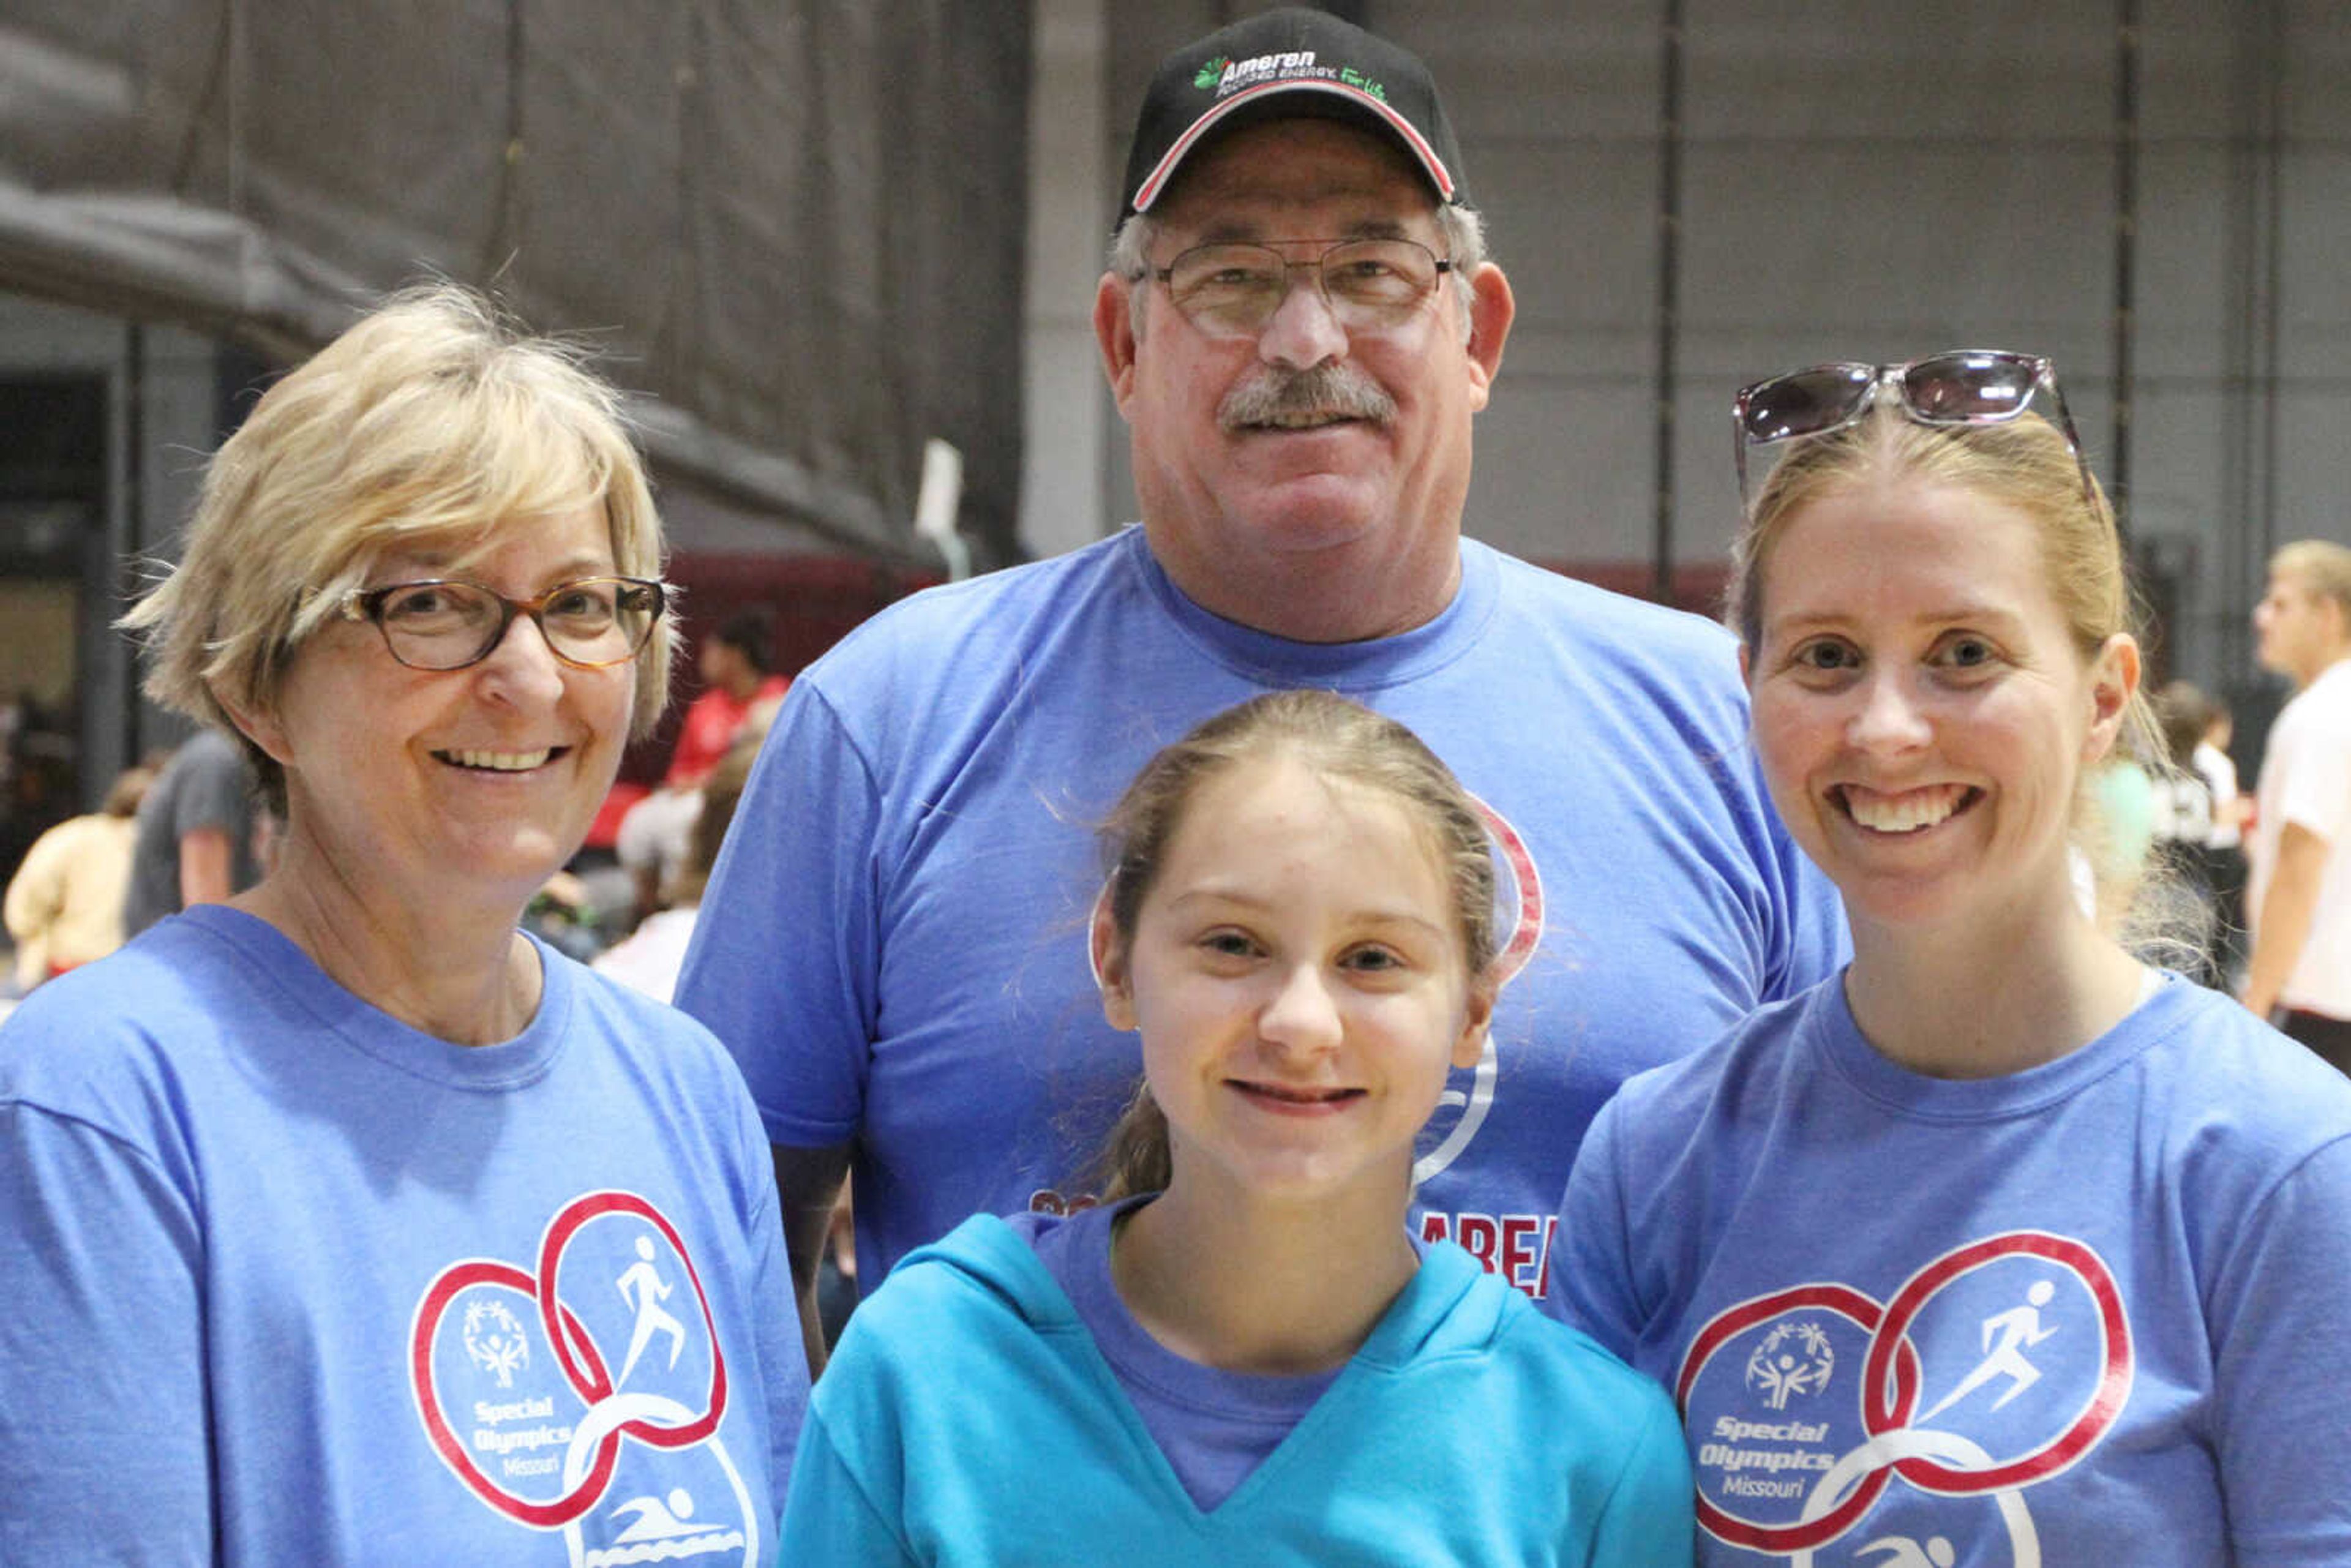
1864 1314
1890 1381
2088 1425
576 1353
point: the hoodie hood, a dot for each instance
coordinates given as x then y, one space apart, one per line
1430 1316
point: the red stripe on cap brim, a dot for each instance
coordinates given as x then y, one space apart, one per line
1148 191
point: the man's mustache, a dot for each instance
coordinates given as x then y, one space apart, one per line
1333 389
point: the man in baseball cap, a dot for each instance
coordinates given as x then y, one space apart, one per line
1300 327
1293 63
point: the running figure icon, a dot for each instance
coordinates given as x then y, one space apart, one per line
642 1286
2017 1330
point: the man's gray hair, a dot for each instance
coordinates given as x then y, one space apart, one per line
1463 229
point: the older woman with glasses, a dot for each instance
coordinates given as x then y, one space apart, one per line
2002 1248
344 1222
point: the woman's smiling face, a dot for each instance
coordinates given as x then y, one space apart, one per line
455 785
1923 713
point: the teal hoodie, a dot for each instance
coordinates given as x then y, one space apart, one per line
969 1419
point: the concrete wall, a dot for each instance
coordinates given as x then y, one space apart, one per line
1064 487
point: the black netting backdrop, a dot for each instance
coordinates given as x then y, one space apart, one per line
795 226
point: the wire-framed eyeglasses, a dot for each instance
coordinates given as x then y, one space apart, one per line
1230 289
446 624
1958 387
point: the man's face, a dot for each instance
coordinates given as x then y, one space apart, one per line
2299 631
1368 472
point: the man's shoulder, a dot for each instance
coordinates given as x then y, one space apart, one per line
989 605
962 652
1627 657
2324 707
1605 617
2312 734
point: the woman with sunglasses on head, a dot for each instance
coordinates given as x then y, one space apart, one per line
2002 1248
344 1222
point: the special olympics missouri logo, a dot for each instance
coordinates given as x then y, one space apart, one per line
2031 1362
1794 1358
585 1395
496 1340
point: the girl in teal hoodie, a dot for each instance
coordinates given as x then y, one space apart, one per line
1243 1355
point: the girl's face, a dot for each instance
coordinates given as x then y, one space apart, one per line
1922 711
1297 973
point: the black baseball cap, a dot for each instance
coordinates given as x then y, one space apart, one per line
1282 65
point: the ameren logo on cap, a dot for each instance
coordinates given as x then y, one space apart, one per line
1228 76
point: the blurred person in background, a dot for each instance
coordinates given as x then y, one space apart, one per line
2197 823
343 1222
2300 892
37 784
198 832
2210 758
735 663
2232 810
64 907
648 958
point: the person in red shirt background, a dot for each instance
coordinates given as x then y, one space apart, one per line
734 664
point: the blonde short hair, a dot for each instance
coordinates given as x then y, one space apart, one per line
435 421
2320 567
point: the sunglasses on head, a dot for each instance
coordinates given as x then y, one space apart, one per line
1963 386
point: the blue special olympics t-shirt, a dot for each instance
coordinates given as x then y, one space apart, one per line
2090 1312
893 945
288 1281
